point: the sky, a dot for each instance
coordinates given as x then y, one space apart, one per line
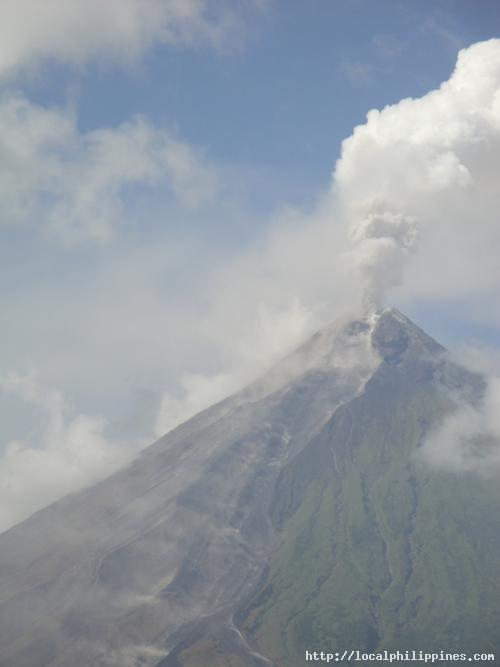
189 188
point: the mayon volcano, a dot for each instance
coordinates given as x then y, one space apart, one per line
298 514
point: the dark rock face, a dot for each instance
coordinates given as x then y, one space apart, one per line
394 334
294 515
391 341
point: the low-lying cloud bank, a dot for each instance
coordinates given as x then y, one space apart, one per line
468 439
70 451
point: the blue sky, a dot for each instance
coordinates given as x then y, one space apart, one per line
172 222
283 99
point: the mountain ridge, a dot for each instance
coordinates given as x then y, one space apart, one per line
183 557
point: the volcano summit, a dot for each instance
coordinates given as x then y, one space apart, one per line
298 514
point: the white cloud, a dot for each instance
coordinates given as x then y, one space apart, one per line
272 334
468 440
72 183
435 161
75 33
70 452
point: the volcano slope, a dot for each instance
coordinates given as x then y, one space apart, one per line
295 515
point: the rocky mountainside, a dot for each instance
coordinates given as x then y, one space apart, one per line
296 514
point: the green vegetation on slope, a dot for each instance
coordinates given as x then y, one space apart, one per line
376 550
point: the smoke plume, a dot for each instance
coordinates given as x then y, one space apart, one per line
426 170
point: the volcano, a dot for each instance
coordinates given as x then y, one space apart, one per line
296 515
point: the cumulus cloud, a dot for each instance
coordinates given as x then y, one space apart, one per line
76 33
68 452
73 183
427 169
